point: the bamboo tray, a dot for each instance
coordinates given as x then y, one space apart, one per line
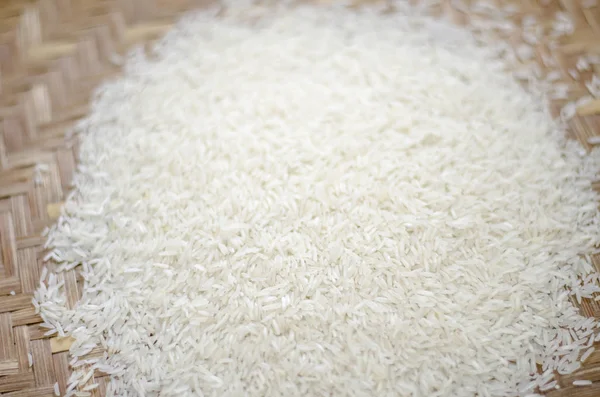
53 53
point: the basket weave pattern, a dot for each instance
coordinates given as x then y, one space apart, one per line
53 53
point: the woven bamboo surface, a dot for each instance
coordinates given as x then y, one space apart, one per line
52 55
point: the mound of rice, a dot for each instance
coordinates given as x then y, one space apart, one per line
310 201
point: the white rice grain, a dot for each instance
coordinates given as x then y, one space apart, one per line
582 383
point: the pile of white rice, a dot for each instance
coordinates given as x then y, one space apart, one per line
324 202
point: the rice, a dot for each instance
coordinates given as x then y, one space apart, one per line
594 140
325 202
582 383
